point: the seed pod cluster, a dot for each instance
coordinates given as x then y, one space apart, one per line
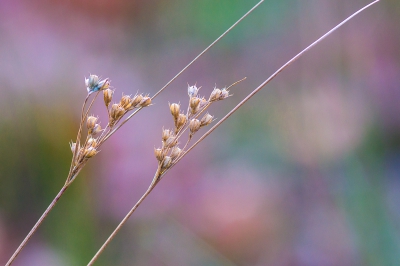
88 146
170 152
126 104
219 94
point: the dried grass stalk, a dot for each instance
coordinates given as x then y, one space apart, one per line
167 157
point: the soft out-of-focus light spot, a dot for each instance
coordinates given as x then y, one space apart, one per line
320 124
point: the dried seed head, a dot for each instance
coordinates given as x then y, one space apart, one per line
92 81
215 95
120 112
224 94
203 102
166 134
181 121
92 142
206 120
194 125
194 104
146 101
107 95
90 152
96 130
91 122
167 162
174 108
125 102
171 142
93 84
159 154
192 91
114 110
175 152
136 100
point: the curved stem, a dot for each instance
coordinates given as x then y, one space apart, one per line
36 226
211 45
96 256
262 85
188 65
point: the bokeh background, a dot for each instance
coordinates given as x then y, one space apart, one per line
306 173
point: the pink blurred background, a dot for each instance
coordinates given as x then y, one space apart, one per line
306 173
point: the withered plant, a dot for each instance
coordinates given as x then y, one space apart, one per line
170 154
82 151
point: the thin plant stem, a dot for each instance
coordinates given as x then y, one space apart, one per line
77 137
72 176
159 174
211 45
262 85
69 180
188 65
36 226
96 256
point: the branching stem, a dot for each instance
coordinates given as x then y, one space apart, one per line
36 226
159 174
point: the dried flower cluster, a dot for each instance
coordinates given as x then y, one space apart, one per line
96 136
170 152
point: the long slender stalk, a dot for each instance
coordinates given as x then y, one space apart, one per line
36 226
158 176
96 256
262 85
72 176
68 181
188 65
55 200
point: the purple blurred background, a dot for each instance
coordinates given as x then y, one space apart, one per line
306 173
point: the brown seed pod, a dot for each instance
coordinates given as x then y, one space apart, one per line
182 119
215 95
224 94
159 154
194 104
166 134
107 95
206 120
96 130
174 108
92 142
146 101
114 111
125 102
194 125
167 162
171 142
175 152
136 100
91 122
90 152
